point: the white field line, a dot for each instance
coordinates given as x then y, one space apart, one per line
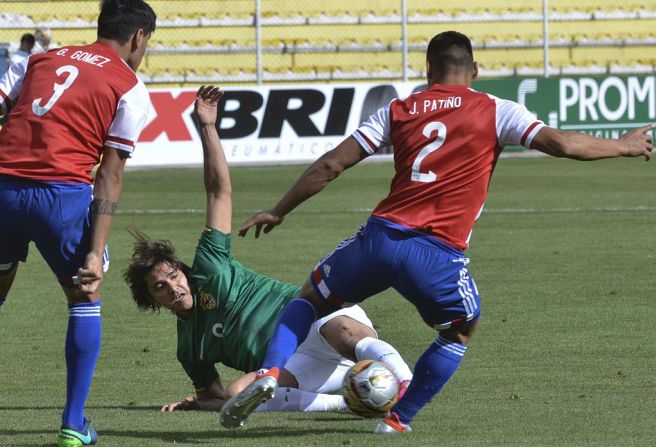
604 209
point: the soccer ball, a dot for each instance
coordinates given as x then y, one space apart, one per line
370 389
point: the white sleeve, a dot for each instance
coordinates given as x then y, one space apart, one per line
11 84
130 119
375 132
516 126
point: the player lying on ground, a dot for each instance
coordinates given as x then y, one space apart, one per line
226 313
447 140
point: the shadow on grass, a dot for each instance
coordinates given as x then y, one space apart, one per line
195 436
90 407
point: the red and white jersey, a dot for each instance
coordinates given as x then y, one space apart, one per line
446 141
64 106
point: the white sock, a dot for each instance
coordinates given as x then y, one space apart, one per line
370 348
293 399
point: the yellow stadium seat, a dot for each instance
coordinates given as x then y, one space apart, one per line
206 8
45 8
358 34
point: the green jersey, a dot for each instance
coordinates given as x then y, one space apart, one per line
234 315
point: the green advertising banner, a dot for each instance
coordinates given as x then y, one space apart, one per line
605 106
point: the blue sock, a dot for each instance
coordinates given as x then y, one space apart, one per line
82 350
292 328
433 369
2 300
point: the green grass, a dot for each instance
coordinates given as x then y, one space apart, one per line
564 354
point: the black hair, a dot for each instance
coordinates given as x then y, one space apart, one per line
27 38
449 52
120 19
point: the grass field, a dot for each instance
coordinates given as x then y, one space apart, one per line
565 353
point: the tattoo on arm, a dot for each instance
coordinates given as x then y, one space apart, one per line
102 207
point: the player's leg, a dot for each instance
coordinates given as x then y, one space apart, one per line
432 371
7 275
62 235
304 385
346 276
295 399
289 397
447 300
292 328
316 299
264 393
350 333
14 238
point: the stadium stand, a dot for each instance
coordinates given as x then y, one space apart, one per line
361 39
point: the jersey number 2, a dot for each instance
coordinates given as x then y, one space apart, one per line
430 176
59 89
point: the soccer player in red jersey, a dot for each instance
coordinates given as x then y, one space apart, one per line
67 108
447 140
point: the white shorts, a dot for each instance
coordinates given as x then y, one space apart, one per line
315 364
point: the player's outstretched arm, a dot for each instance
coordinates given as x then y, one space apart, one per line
315 178
216 173
580 146
208 399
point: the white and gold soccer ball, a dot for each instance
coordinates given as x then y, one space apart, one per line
370 389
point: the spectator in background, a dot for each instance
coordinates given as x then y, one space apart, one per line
25 49
43 38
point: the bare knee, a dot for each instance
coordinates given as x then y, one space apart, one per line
343 334
460 335
74 296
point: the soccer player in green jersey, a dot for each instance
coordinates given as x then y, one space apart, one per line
227 313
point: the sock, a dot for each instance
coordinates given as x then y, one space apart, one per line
2 300
370 348
433 369
82 350
292 329
293 399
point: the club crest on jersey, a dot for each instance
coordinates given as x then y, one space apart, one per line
326 270
207 301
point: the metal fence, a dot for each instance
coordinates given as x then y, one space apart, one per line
264 41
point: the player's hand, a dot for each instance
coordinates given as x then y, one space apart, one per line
205 107
264 219
638 142
191 403
188 404
91 274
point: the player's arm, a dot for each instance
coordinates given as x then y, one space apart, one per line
108 185
580 146
211 398
215 167
11 84
315 178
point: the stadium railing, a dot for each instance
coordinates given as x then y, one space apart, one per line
217 41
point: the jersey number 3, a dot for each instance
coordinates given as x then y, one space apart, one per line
430 176
59 89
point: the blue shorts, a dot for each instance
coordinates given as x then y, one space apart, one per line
55 216
427 272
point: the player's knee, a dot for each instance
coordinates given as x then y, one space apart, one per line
343 334
75 296
460 335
